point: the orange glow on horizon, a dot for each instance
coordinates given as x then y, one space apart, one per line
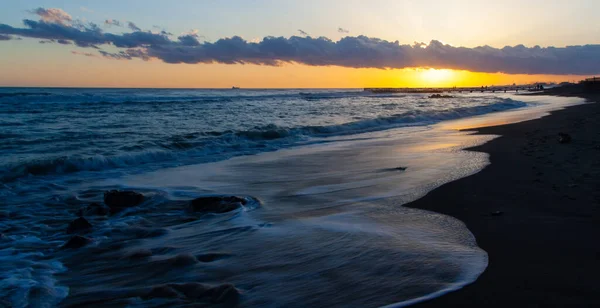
80 71
433 77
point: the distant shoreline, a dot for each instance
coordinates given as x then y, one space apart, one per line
534 210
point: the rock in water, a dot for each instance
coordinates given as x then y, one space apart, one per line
79 225
217 204
191 290
183 260
117 199
94 209
76 242
162 291
564 138
440 96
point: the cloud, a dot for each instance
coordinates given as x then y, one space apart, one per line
56 26
87 54
302 32
113 22
53 15
59 41
342 30
133 27
128 54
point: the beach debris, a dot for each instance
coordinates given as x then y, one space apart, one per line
76 242
440 96
119 199
79 225
217 204
564 138
94 209
497 213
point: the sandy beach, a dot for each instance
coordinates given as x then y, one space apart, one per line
534 210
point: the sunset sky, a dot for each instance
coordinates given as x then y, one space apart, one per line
299 44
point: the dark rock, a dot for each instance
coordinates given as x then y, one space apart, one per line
497 213
440 96
79 225
217 204
564 138
192 290
139 254
183 260
224 293
117 199
161 291
76 242
94 209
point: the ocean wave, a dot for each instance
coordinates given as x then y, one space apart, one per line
13 94
214 145
66 164
101 98
27 278
313 96
415 117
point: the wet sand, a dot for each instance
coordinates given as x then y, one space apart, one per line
543 246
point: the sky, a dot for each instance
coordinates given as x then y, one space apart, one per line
296 44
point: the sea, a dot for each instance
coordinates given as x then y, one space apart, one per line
329 170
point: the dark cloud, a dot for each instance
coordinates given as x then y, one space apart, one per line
365 52
128 54
87 54
302 32
113 22
59 41
189 40
132 26
342 30
56 26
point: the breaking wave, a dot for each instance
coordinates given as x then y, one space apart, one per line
215 145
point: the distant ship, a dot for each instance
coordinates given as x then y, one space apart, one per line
235 88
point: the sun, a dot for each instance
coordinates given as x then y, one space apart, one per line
436 77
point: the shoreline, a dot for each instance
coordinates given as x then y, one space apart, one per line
541 246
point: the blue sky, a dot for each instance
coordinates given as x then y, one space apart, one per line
366 46
464 23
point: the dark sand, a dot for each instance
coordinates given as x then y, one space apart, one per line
544 250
